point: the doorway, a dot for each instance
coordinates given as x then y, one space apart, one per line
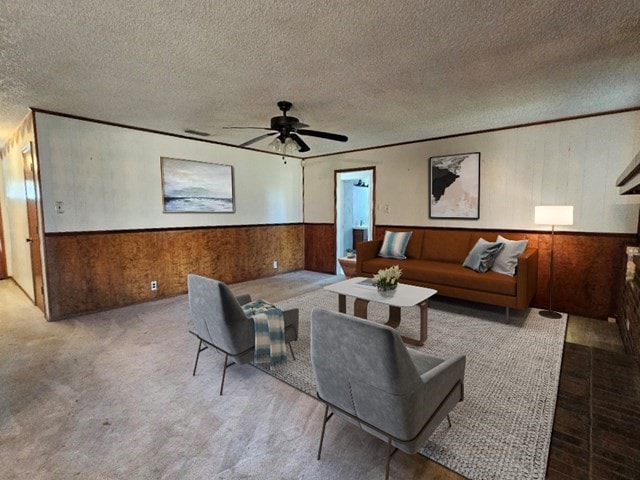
354 209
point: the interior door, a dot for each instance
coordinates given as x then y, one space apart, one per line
31 194
3 257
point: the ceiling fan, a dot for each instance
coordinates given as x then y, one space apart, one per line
288 131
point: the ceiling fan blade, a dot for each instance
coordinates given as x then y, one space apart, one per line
257 139
299 125
327 135
252 128
303 146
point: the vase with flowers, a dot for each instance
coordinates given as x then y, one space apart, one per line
387 280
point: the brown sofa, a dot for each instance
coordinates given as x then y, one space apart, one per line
434 260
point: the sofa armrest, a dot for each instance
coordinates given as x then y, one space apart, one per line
527 277
366 251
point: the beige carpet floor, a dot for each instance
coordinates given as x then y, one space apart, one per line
111 396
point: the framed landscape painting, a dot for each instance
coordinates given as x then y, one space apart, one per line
454 186
191 186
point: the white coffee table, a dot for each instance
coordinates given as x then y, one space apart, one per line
405 296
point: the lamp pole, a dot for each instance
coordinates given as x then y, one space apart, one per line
550 313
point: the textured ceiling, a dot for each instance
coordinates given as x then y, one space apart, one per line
381 72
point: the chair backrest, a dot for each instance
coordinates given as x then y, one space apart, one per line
218 317
364 369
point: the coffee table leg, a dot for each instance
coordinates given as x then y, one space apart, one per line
342 303
360 307
424 320
394 317
423 327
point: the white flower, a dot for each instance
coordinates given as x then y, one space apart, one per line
387 277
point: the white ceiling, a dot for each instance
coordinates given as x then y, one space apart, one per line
381 72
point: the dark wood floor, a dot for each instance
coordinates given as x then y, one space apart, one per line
596 434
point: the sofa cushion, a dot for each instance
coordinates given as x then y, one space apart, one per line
507 260
482 255
414 247
445 245
394 244
455 275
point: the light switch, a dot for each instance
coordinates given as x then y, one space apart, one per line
59 207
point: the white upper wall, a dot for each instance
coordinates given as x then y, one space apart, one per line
109 178
574 162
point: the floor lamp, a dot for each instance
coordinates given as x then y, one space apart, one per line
553 215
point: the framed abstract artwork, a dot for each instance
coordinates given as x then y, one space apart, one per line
454 186
192 186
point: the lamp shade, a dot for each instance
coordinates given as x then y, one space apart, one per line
554 215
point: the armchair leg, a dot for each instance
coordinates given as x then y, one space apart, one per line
200 349
293 355
390 453
324 424
449 420
224 370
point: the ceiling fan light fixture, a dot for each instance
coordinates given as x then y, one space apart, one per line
284 147
275 144
290 146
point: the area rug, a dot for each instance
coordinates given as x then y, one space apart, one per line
502 429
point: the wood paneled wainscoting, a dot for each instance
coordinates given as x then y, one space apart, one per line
100 270
630 324
320 247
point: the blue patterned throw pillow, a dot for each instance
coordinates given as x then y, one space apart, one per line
482 255
394 244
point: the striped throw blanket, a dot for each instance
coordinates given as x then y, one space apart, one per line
268 320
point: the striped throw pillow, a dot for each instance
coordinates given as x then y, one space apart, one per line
394 244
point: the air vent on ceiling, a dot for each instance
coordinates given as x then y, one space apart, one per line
196 132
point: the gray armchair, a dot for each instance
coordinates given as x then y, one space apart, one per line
220 322
366 375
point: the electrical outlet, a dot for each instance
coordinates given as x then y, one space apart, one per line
154 285
275 264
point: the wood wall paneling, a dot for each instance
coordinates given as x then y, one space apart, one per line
589 273
630 320
320 247
96 271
